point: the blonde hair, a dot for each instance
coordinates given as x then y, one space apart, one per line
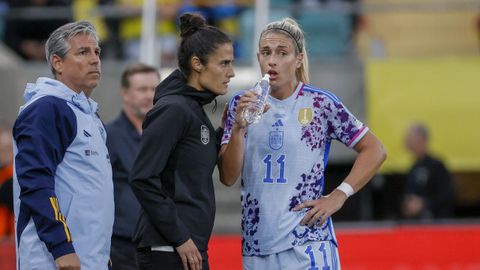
291 29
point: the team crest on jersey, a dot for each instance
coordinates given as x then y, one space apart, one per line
276 139
204 134
276 135
305 116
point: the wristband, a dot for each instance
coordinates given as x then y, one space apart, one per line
346 188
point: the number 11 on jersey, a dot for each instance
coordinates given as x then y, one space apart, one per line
268 171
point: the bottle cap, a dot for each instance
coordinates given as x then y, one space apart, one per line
266 77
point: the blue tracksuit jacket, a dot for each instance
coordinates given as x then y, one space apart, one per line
63 190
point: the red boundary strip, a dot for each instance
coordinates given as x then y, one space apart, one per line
402 248
440 247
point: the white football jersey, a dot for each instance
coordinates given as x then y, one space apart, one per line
284 162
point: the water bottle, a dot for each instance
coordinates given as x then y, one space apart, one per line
254 111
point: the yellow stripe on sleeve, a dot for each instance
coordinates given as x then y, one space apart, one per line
60 217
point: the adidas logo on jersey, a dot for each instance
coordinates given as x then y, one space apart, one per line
278 123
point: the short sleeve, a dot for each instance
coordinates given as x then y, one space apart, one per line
343 125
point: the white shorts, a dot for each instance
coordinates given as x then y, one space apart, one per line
322 255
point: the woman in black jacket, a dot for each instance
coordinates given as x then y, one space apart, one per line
172 174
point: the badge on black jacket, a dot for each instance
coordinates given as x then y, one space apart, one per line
204 134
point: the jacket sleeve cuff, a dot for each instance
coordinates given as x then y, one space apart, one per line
62 249
181 234
181 241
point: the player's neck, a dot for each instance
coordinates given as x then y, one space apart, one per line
284 91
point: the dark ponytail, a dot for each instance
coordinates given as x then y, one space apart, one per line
198 39
190 23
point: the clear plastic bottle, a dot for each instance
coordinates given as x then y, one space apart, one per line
254 111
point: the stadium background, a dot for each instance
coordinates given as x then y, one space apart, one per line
391 62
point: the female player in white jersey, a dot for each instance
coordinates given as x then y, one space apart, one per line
286 218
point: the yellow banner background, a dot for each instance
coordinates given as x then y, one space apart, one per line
443 93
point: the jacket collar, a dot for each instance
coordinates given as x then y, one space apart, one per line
51 87
175 84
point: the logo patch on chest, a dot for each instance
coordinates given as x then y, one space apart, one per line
305 116
204 134
275 140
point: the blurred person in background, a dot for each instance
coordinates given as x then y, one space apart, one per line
3 11
138 82
220 13
477 24
429 191
6 174
63 190
130 29
26 36
172 174
286 218
91 10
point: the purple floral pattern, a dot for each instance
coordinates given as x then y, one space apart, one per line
309 188
331 120
230 119
250 220
304 234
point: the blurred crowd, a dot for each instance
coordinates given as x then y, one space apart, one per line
6 187
25 24
118 23
332 26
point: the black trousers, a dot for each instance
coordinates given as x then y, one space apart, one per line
159 260
123 254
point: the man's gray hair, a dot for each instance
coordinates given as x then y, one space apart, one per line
59 41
